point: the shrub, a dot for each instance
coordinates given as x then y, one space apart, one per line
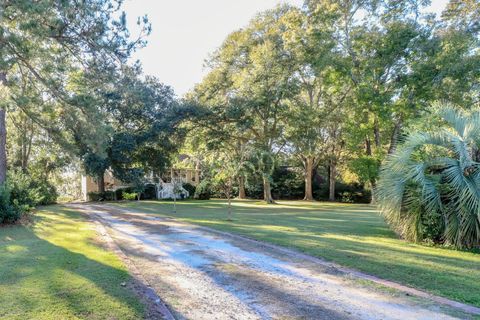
9 212
288 183
109 195
95 196
345 192
129 196
190 188
347 197
119 193
254 187
149 193
29 191
21 193
429 188
102 196
203 191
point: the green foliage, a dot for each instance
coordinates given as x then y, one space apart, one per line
22 193
9 212
345 192
190 188
129 196
55 61
203 191
288 183
149 192
30 190
102 196
365 167
429 189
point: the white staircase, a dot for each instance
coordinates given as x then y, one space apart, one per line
165 191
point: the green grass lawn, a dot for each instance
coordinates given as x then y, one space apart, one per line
351 235
54 270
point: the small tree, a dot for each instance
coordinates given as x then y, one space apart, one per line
223 179
226 167
177 190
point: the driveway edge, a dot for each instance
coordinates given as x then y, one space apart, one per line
351 272
144 287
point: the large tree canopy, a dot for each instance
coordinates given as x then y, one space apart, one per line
335 85
43 44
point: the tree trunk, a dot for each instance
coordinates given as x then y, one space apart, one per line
308 179
229 208
197 171
368 146
267 191
241 188
373 185
3 136
331 181
394 137
101 183
376 132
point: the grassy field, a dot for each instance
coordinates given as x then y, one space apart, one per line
54 270
351 235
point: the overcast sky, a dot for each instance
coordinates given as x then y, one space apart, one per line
185 32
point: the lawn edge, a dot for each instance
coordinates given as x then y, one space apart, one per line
409 291
152 301
352 272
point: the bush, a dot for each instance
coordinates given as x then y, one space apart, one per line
9 212
149 193
29 191
288 183
190 188
350 193
21 193
129 196
95 196
119 193
102 196
254 188
203 191
109 195
429 188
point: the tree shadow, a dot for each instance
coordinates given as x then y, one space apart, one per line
42 277
436 270
238 284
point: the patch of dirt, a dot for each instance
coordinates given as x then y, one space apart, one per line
201 274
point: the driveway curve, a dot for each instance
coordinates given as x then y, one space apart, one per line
202 274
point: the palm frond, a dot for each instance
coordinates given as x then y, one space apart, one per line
433 181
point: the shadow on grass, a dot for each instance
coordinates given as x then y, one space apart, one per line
362 241
245 286
39 278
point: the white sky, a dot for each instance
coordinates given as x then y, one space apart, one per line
185 32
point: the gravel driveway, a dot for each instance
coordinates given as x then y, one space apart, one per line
201 274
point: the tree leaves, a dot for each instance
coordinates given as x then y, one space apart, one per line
414 185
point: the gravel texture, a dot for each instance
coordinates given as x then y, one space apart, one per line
201 274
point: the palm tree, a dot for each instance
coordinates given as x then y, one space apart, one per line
429 189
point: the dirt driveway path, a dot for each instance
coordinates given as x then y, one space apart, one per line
208 275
